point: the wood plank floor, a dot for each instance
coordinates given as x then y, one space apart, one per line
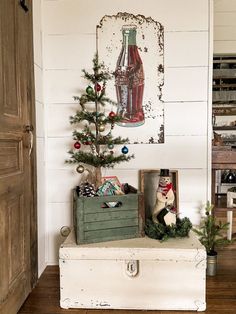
221 292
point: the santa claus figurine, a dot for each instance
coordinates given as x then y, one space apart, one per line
164 211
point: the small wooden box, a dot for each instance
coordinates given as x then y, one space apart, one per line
94 222
142 273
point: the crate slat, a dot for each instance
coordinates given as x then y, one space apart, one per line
128 201
109 215
115 233
95 223
119 223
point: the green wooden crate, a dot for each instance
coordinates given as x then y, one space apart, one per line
95 223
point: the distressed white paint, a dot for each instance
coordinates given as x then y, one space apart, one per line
161 268
68 46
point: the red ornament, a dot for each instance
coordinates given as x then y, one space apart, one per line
77 145
112 114
98 87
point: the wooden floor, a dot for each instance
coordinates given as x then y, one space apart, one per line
221 292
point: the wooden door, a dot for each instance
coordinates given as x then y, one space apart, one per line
18 240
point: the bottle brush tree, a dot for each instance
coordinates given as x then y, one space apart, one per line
93 137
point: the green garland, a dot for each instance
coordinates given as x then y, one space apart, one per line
160 232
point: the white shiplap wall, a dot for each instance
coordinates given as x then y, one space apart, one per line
69 46
40 136
225 26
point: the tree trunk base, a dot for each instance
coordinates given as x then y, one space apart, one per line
98 177
95 177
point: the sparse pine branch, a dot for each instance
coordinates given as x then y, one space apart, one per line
103 160
94 97
96 78
105 100
93 117
83 115
100 72
106 139
210 231
119 140
86 137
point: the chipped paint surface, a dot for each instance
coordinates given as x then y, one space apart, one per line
124 269
150 43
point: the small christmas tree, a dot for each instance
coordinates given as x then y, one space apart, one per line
95 122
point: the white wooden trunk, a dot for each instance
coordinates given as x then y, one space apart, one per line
134 274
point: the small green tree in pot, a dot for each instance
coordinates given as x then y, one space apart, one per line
211 236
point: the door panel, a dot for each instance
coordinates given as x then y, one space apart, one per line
11 106
16 236
17 188
11 154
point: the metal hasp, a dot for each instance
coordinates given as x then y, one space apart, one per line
131 268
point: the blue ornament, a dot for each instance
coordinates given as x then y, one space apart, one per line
124 150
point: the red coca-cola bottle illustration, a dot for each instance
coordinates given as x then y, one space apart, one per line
129 80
